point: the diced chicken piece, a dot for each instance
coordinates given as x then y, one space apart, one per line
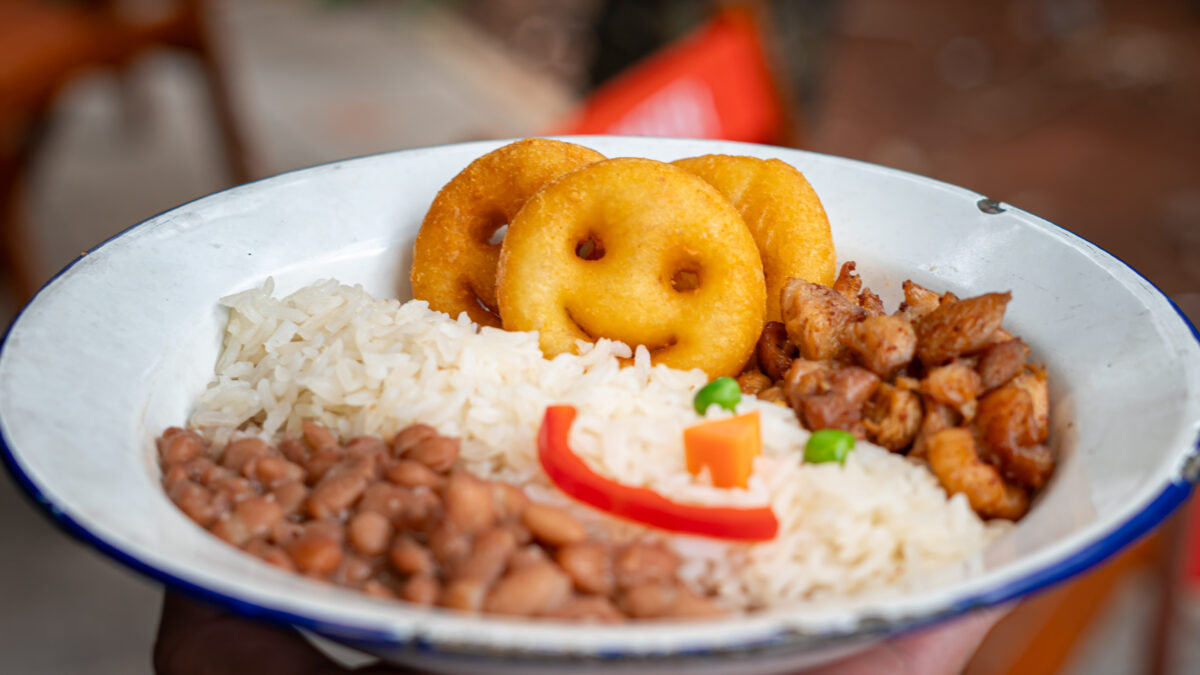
827 395
954 459
893 417
1002 361
918 301
774 351
850 286
936 418
884 344
955 384
816 318
1012 432
958 328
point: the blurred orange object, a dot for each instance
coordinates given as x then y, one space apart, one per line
43 46
713 83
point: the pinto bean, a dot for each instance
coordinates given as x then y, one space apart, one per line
284 532
259 513
552 525
411 436
590 566
438 453
315 553
272 471
234 488
411 558
369 532
366 446
488 556
448 544
341 487
290 496
465 594
181 447
318 437
421 589
231 528
384 498
649 600
529 591
320 462
239 452
354 570
421 510
508 500
468 503
642 563
195 501
410 473
294 451
526 556
378 589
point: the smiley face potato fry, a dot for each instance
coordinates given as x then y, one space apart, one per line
638 251
454 263
783 214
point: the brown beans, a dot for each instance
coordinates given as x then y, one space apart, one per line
529 591
643 563
421 590
385 499
290 496
448 544
410 437
438 453
243 450
364 446
590 566
259 514
315 553
318 437
369 532
411 558
195 501
181 447
272 471
341 487
468 502
552 525
410 473
404 528
488 556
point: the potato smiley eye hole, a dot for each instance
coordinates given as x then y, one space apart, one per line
686 279
590 248
498 236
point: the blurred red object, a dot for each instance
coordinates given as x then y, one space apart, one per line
714 83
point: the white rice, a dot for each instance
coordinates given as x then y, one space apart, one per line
360 365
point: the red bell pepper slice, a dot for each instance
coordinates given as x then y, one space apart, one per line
574 477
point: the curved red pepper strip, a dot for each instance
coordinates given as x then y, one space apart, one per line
574 477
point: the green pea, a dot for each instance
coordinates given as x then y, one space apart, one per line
828 445
724 391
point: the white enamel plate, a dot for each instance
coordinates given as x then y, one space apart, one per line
117 347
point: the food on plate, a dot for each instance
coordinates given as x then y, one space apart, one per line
328 373
783 213
596 459
637 251
395 521
905 380
454 258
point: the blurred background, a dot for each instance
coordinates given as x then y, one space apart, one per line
1086 112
